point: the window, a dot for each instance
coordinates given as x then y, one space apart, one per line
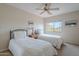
53 27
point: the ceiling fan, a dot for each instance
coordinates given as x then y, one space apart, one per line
46 8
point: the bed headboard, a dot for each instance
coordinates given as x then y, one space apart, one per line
12 35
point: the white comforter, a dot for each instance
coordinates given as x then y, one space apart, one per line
56 41
31 47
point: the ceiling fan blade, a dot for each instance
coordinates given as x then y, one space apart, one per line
42 12
53 8
49 12
39 9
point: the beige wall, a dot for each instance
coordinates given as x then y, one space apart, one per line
69 34
10 18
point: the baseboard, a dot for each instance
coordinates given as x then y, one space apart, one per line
3 50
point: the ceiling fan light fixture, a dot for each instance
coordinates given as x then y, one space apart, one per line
46 8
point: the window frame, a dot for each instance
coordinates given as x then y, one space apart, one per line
51 22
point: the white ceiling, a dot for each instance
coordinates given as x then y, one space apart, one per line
31 7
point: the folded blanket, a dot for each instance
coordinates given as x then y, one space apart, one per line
56 41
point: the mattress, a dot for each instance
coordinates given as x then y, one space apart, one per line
31 47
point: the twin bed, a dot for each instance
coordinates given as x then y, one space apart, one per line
22 45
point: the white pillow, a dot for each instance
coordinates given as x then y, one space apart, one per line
19 34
